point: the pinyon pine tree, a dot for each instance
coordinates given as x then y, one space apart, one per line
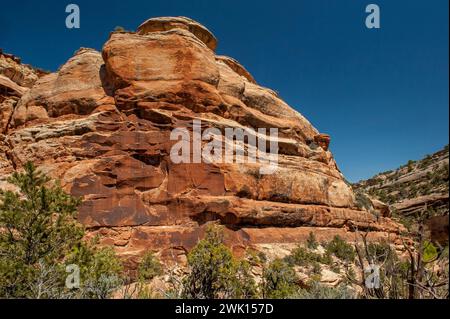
215 273
36 229
39 236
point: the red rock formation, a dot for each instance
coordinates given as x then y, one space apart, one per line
323 140
102 125
15 81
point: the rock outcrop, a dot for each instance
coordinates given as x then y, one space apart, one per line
102 125
416 187
15 80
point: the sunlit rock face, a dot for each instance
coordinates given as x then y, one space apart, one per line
102 124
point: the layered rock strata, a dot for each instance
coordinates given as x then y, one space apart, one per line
102 124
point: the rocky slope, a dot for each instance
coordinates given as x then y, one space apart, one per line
102 123
416 187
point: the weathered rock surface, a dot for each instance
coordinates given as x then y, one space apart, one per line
169 23
76 89
15 80
102 125
21 74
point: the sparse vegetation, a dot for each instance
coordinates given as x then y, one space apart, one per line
40 237
341 249
215 273
424 181
279 280
150 267
302 257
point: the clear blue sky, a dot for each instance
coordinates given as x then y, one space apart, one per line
381 94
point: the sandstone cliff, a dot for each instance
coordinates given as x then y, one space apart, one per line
101 125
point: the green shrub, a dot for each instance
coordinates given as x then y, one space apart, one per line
335 268
214 273
430 251
301 256
244 284
316 269
100 270
379 251
326 258
279 280
256 257
149 267
341 249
